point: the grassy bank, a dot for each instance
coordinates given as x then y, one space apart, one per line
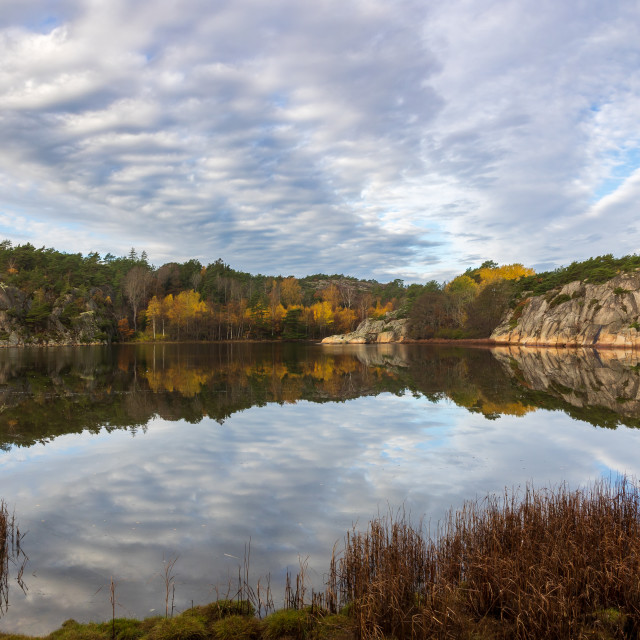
530 564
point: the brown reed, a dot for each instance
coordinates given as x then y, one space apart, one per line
530 564
11 553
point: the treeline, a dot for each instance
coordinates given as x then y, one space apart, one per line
48 295
470 306
474 303
593 270
47 292
224 304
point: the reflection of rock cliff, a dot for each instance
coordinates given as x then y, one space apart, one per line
369 331
583 378
578 314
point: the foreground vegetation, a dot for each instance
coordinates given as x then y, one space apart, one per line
541 564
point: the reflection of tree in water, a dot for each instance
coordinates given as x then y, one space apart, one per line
11 555
45 393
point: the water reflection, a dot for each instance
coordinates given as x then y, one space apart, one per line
120 459
49 392
600 387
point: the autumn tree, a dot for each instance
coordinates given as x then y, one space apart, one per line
348 293
505 272
429 315
331 294
123 329
290 292
184 309
154 313
135 286
322 316
486 310
460 291
167 279
365 300
344 320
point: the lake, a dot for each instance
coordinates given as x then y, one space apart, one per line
120 460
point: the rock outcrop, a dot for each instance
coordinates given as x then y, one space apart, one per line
578 314
370 331
72 319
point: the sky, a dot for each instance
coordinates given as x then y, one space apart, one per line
406 139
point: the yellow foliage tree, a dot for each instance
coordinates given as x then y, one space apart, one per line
290 292
322 315
504 272
331 294
379 310
345 320
154 312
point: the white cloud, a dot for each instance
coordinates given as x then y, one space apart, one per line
412 138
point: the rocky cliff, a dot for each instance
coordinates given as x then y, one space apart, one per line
370 331
577 314
76 317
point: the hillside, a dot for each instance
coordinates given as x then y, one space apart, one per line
50 297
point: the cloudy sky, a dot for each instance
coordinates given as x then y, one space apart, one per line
380 139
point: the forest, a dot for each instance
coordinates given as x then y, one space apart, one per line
48 296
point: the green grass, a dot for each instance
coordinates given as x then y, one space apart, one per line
289 623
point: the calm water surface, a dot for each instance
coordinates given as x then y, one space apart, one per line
117 460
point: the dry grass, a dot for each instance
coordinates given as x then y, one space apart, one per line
544 564
534 564
11 554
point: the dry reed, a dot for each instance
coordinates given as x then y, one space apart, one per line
11 553
536 564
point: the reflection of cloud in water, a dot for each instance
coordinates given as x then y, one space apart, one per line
292 478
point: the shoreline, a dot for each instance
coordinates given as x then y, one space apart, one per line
487 343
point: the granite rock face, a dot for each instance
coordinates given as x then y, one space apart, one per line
372 331
578 314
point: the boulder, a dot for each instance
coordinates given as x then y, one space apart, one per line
372 331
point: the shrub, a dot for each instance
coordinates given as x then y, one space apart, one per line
292 623
334 627
123 629
223 608
237 627
517 313
559 299
180 628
